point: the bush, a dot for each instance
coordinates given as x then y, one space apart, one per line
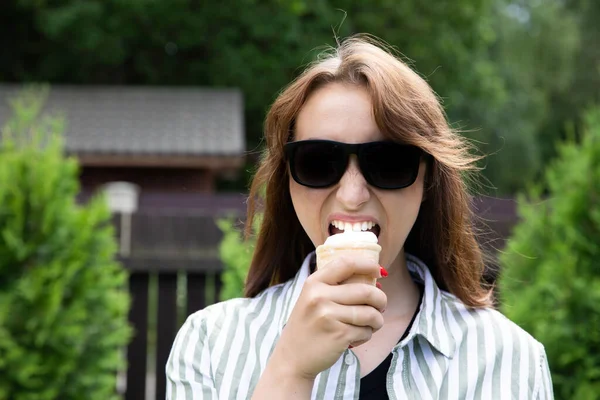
550 282
235 253
63 298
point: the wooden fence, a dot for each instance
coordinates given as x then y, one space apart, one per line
176 249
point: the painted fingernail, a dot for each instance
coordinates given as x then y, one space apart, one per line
383 271
378 285
350 346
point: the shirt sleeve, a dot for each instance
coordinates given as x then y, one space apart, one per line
188 368
544 390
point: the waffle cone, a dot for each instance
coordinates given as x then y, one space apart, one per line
327 253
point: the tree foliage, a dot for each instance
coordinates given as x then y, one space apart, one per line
550 282
236 254
503 68
63 298
533 52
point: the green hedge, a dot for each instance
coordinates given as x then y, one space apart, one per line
63 298
235 253
550 282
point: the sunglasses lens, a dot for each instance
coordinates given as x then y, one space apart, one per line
390 165
385 165
317 164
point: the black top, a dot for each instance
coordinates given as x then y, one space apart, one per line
373 385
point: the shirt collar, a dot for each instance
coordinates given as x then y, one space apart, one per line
431 321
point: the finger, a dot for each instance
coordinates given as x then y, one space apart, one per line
342 268
361 316
358 294
359 335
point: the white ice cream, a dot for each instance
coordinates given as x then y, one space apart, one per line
350 238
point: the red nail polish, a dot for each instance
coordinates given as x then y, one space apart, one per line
350 346
378 285
383 271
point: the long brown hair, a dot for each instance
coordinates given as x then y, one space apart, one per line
407 110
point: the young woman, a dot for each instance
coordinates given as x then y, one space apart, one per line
360 141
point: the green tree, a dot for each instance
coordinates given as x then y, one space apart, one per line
583 88
499 74
550 281
63 298
236 253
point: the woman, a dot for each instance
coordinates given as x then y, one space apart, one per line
360 141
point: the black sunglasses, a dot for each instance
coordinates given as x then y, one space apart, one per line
384 164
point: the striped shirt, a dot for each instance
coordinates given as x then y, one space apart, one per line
451 351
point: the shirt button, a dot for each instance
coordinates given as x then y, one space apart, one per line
349 359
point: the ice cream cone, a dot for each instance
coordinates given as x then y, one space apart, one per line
351 245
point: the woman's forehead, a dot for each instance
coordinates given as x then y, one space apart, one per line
338 112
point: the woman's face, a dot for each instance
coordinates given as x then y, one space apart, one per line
343 113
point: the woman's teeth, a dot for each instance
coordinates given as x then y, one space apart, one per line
353 227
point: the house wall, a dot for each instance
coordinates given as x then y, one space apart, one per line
173 180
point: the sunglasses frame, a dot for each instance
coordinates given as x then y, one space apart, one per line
348 149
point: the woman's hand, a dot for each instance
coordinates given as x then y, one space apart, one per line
329 317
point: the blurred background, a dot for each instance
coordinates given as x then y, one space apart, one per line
160 106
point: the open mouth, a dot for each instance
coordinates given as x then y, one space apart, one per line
336 227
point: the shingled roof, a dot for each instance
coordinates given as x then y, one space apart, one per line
154 121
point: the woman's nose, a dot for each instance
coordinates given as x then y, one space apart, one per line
353 190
